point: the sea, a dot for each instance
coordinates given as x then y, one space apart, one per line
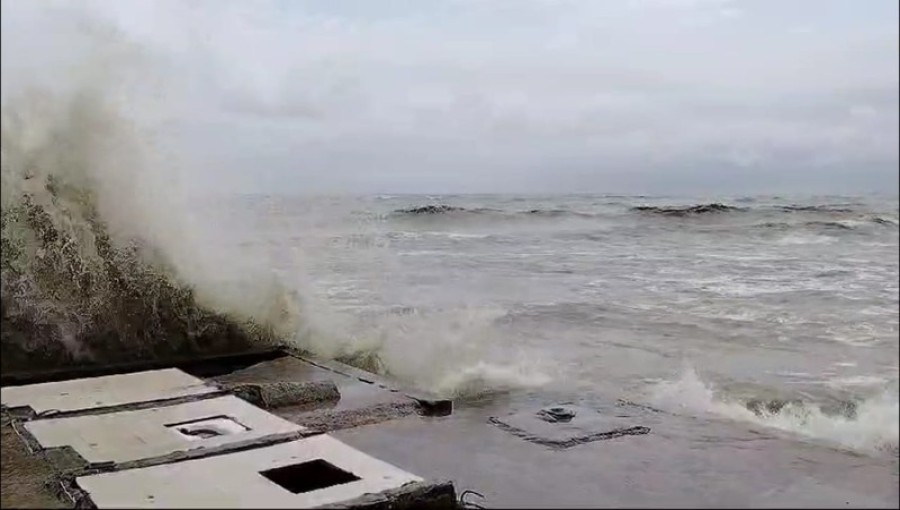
778 312
768 313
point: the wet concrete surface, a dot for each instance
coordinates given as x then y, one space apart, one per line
354 393
682 462
360 402
679 461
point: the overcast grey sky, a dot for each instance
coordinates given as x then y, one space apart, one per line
634 96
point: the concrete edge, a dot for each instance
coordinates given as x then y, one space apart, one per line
431 405
187 364
27 413
425 494
328 421
201 453
312 392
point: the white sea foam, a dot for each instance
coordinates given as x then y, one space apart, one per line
872 428
795 239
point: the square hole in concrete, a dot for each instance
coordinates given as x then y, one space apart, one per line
309 476
205 428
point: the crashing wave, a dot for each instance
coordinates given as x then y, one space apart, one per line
868 425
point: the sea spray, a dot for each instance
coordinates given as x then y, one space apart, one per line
108 256
98 263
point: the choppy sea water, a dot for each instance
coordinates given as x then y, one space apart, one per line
774 312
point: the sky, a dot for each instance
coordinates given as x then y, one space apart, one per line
517 96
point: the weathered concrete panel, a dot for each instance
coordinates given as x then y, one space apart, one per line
235 480
106 391
147 433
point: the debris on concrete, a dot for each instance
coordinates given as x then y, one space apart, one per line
559 414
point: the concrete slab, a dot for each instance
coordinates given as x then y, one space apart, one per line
147 433
236 480
569 425
106 391
432 405
353 393
358 403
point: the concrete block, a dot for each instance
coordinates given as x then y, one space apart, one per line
272 395
306 473
565 426
106 391
147 433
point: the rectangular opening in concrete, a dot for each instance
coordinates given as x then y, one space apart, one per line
309 476
205 428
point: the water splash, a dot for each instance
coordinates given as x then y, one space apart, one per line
869 425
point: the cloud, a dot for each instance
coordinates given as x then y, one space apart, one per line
502 95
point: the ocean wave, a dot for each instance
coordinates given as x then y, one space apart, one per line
692 210
868 425
558 213
882 220
433 209
458 352
445 210
825 208
103 258
859 223
830 225
87 275
807 225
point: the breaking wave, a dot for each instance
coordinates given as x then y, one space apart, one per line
867 425
97 264
105 260
93 272
456 352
